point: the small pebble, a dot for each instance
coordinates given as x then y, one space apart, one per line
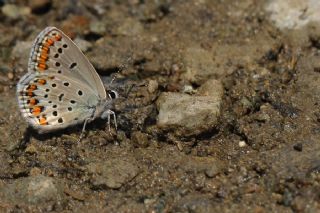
152 86
175 68
189 89
213 170
242 144
10 75
298 147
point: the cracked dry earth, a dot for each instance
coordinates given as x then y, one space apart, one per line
218 109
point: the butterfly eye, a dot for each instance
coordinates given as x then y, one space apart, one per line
112 94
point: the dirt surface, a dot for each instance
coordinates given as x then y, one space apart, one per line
218 110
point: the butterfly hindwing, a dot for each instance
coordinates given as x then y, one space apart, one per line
54 102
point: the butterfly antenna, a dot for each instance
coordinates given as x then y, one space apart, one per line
123 66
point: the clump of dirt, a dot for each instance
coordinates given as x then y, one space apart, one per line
218 110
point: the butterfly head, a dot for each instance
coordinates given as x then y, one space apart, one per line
104 108
112 94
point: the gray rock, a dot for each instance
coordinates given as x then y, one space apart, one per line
288 14
32 191
112 173
191 114
12 11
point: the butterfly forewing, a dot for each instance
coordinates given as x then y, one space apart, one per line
54 52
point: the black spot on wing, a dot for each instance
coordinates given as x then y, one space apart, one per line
73 65
60 97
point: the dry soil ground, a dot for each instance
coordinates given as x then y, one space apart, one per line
218 108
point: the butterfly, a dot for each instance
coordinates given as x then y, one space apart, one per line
61 87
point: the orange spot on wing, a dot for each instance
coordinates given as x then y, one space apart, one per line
45 49
58 37
42 66
30 94
36 110
30 90
50 41
43 121
31 87
44 56
41 61
33 101
41 81
46 46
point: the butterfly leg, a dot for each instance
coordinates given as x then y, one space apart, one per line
83 129
114 118
109 113
109 121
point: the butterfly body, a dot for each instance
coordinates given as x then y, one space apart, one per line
61 87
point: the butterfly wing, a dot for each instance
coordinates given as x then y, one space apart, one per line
53 52
61 87
54 102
